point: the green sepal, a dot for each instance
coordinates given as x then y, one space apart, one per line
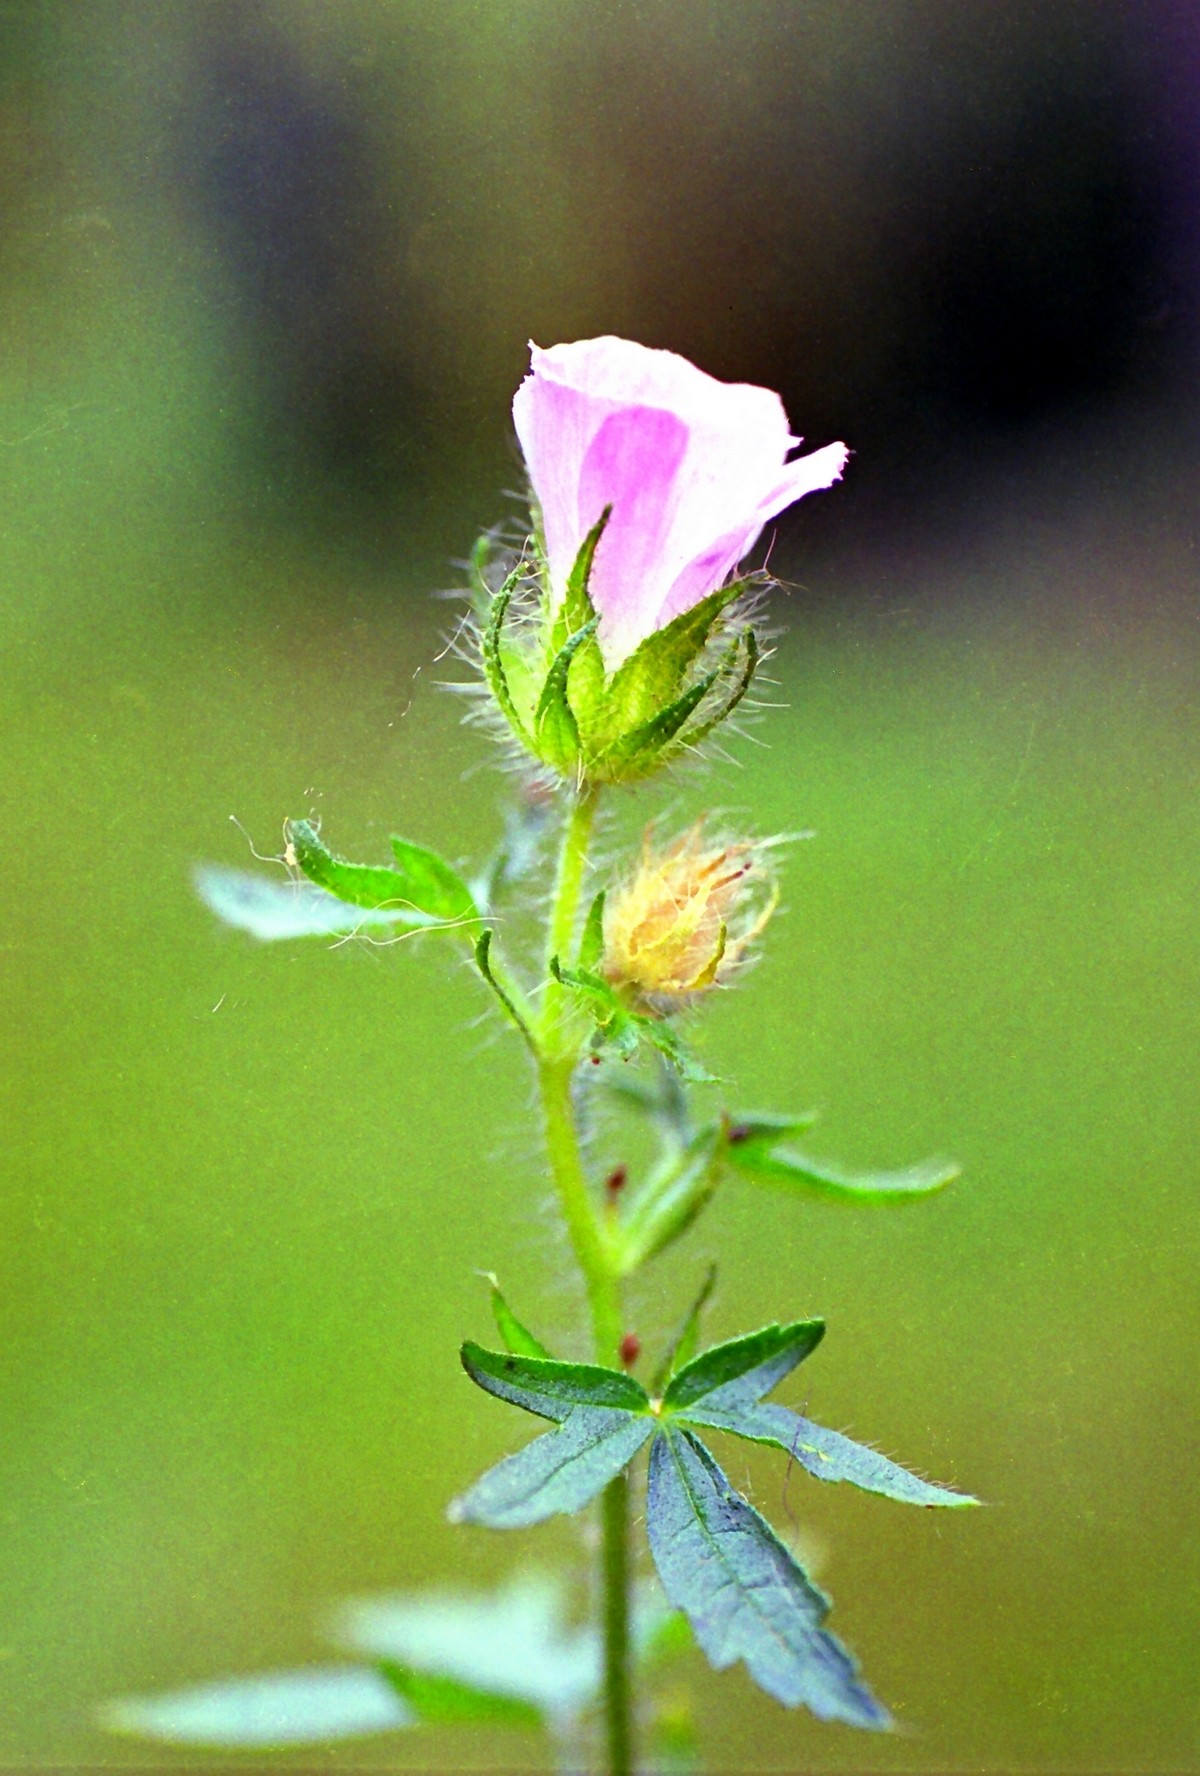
447 1701
518 1340
649 739
744 1594
603 1418
422 883
591 944
739 1372
556 732
577 610
493 659
670 1201
621 1028
653 673
766 1161
741 684
827 1455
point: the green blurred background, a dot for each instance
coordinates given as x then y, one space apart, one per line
267 272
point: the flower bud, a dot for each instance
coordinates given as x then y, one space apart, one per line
683 921
615 644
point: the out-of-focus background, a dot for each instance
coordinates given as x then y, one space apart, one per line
267 274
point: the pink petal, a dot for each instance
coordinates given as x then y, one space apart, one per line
632 464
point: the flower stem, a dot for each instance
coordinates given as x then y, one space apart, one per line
558 1059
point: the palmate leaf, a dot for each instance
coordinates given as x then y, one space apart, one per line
745 1596
723 1389
828 1455
603 1415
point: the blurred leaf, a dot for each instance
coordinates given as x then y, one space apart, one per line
515 1642
767 1128
670 1201
448 1701
683 1345
517 1338
525 823
271 911
743 1593
767 1163
730 1376
305 1707
826 1454
422 886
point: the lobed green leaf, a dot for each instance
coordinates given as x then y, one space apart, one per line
422 889
559 1472
827 1455
731 1376
551 1389
744 1594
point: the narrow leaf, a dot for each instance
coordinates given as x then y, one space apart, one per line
517 1338
671 1201
682 1347
447 1701
745 1596
730 1376
306 1707
826 1454
561 1471
784 1165
483 961
271 911
766 1128
552 1389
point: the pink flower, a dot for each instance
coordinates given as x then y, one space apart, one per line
692 467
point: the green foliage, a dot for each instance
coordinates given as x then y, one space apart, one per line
685 1342
755 1148
272 911
622 1029
315 1705
653 674
672 1198
483 961
447 1701
422 886
741 1371
745 1596
516 1337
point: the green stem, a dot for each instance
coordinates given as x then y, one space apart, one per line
558 1057
618 1709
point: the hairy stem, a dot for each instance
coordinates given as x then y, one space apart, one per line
558 1058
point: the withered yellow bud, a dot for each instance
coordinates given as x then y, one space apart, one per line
683 920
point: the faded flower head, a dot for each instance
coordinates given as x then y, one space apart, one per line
684 919
619 640
692 468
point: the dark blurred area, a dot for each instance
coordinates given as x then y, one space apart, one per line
943 231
